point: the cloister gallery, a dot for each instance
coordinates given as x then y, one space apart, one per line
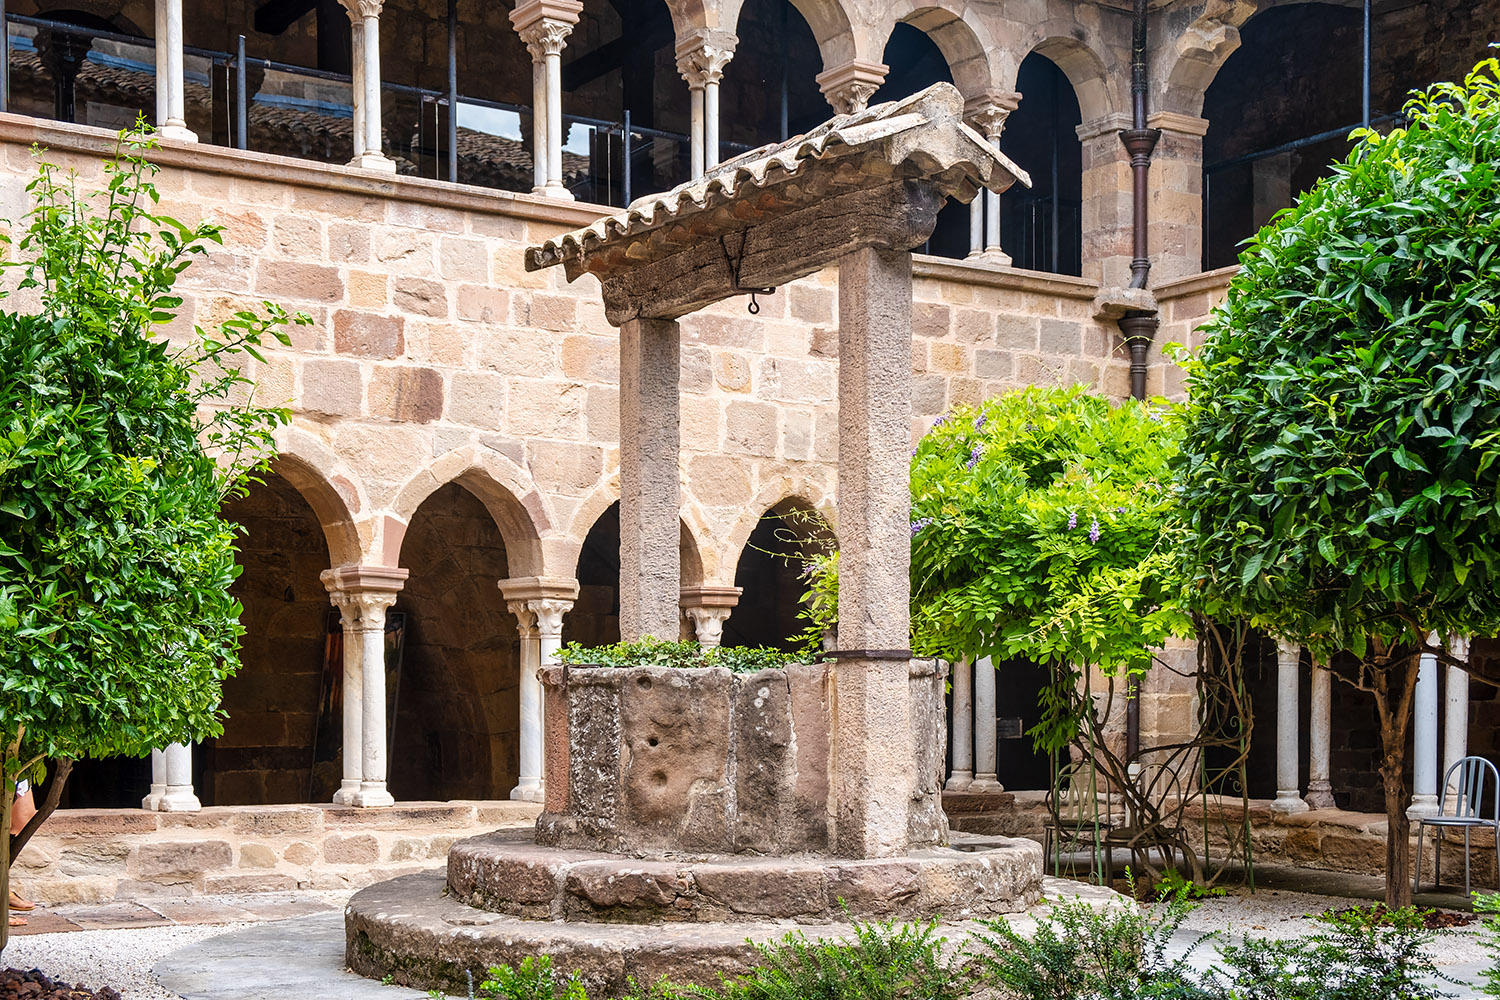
443 513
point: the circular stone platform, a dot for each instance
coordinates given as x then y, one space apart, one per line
504 873
689 918
410 929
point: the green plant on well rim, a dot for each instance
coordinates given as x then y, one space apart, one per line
652 652
117 450
1339 461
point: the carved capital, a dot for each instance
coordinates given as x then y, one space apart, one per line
545 38
988 112
549 615
708 623
849 86
363 594
525 617
703 55
359 10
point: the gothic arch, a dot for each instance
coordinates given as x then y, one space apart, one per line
503 487
327 486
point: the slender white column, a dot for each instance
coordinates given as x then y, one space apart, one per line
369 145
152 801
1455 709
985 713
179 795
1288 659
1425 741
976 225
529 782
539 604
171 110
701 58
962 727
1319 788
544 25
362 594
357 86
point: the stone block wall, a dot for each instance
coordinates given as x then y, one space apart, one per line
99 855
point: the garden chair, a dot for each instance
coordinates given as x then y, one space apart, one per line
1468 812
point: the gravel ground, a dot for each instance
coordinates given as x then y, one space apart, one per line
123 958
119 958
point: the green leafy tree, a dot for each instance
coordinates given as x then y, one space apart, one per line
117 450
1338 467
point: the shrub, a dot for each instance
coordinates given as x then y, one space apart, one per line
649 652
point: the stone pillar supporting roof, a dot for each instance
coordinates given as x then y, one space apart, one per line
775 214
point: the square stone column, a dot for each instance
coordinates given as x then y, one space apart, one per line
1107 202
1176 227
650 532
872 739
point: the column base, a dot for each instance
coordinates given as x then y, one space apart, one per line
1319 796
177 133
996 256
1288 803
372 794
557 191
1422 805
986 783
180 801
374 161
346 793
528 793
152 801
961 781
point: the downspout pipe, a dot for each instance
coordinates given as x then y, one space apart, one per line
1138 326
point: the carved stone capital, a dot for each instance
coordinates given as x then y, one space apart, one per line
549 615
363 594
545 38
703 55
708 624
359 10
849 86
988 112
525 617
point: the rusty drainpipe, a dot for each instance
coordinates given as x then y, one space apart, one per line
1138 326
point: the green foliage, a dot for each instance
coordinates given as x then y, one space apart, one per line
532 980
1339 457
1356 958
650 652
117 449
1081 951
881 962
1488 903
820 602
1175 885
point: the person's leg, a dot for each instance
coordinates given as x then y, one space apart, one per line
20 814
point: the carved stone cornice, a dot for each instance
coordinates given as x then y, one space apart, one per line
362 9
539 588
703 55
709 597
363 594
849 86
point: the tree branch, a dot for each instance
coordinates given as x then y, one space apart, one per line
47 808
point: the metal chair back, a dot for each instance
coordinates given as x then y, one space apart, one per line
1475 775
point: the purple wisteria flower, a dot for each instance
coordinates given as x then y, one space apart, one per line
919 524
974 456
980 421
1094 531
1119 510
1072 520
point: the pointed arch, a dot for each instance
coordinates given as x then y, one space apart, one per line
507 492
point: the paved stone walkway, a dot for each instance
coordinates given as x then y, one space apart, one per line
169 911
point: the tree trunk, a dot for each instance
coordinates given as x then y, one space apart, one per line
8 795
1395 687
47 808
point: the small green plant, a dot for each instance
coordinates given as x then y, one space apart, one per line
1362 955
387 980
533 979
1079 950
1174 884
881 962
651 652
1488 903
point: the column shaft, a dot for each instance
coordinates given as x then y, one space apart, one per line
374 137
1319 789
650 532
179 797
372 781
992 212
354 714
555 186
695 130
362 594
152 801
986 709
1425 740
1288 662
961 727
1455 709
171 98
541 141
357 85
872 740
529 784
976 224
711 124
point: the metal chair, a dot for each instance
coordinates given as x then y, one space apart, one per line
1474 772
